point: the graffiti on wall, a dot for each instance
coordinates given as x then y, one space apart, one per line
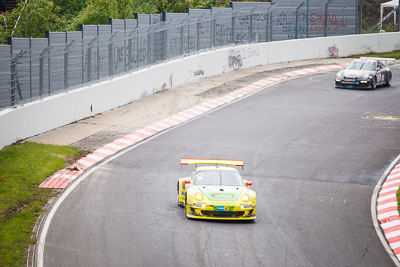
333 21
235 60
333 52
286 22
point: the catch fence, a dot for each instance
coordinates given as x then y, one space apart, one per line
34 68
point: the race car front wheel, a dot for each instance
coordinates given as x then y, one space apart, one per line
373 83
185 207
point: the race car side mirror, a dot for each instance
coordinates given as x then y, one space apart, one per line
249 183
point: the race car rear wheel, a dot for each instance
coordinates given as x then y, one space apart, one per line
388 79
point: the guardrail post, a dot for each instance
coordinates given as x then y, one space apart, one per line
41 71
233 26
181 50
67 49
198 34
89 58
130 49
15 88
326 18
297 19
111 54
149 53
30 68
251 26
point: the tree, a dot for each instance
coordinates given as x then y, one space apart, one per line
35 18
98 11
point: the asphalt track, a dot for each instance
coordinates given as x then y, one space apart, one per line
313 152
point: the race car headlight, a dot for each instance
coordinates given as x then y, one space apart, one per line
339 74
245 197
365 76
199 196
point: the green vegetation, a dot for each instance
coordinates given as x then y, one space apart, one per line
394 54
39 16
371 16
22 168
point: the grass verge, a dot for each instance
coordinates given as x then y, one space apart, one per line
22 168
394 54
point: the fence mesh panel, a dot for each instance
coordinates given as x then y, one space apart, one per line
34 68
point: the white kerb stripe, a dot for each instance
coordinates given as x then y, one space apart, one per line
310 70
395 245
386 197
85 163
103 151
114 146
163 124
91 156
143 131
396 187
290 74
397 181
388 214
390 224
392 234
391 176
155 128
124 141
300 72
201 108
387 205
322 68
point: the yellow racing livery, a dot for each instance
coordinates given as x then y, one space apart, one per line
216 192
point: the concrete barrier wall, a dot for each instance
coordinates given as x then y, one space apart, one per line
55 111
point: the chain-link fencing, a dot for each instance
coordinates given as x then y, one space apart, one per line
34 68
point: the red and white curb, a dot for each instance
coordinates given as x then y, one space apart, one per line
62 178
387 210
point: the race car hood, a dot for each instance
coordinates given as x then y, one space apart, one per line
356 73
221 193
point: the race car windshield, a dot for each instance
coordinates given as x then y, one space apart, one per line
362 65
218 178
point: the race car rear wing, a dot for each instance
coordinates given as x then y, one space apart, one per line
238 163
386 61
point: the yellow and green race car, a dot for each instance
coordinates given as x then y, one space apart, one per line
216 192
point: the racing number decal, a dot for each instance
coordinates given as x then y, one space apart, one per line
379 76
